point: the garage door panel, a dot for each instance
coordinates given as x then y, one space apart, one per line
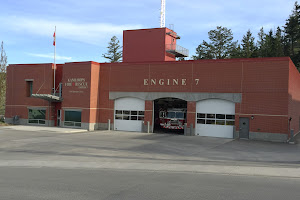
215 118
216 106
215 130
129 114
129 103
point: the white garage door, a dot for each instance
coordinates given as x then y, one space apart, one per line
215 118
129 114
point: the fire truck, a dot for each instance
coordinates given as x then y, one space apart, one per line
172 118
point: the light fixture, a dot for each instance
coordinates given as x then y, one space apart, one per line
252 117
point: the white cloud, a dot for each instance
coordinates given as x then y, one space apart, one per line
50 55
91 33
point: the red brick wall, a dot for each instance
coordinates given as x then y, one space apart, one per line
262 82
266 92
94 92
170 39
75 97
191 113
17 102
144 45
294 97
106 106
148 112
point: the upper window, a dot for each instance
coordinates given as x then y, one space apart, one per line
129 115
217 119
29 88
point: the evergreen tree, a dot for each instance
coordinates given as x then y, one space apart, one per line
261 43
292 28
269 45
292 36
249 48
278 43
114 53
236 50
3 65
203 51
219 47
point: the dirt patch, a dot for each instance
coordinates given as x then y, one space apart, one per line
4 124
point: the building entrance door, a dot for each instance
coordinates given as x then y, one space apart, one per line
244 127
58 118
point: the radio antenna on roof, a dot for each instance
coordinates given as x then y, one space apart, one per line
163 14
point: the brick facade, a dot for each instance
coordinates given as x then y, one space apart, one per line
269 87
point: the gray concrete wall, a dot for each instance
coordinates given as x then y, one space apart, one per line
273 137
89 126
187 96
104 126
145 128
235 133
190 131
22 121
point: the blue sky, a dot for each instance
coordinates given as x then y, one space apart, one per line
84 28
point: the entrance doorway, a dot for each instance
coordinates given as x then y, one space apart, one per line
244 128
58 124
169 115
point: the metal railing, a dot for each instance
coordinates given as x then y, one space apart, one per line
72 124
37 121
57 91
177 48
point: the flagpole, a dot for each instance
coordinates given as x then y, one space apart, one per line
54 60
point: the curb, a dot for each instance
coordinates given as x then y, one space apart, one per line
210 169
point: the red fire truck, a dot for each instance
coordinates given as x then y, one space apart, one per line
172 118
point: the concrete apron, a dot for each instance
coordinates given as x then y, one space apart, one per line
42 128
214 169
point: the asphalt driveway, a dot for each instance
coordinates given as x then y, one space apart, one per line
61 144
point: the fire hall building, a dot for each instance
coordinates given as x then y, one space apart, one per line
255 98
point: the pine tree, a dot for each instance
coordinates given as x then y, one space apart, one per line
203 51
292 35
278 43
219 47
261 43
292 28
114 53
236 50
3 65
269 45
248 45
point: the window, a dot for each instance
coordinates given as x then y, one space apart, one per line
200 115
216 119
72 118
37 116
162 114
29 88
171 115
179 115
220 116
129 115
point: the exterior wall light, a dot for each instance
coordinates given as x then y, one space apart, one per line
252 117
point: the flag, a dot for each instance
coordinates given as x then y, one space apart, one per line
54 38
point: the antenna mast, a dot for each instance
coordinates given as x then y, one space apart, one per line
163 14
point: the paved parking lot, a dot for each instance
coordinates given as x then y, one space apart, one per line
53 144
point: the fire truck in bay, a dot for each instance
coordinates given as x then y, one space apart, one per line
172 118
